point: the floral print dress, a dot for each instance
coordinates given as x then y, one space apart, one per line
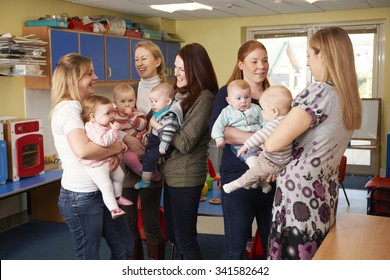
306 196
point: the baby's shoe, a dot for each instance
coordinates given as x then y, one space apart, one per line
120 200
156 176
117 212
141 185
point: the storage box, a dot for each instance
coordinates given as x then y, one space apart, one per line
47 22
133 33
151 34
75 25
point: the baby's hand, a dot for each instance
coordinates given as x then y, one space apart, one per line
115 126
220 143
243 149
128 111
162 151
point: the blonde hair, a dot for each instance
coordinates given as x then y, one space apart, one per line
165 89
157 54
280 97
90 104
123 88
336 49
238 84
68 72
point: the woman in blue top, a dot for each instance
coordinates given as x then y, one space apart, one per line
241 207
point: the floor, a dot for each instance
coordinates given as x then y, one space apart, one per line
357 199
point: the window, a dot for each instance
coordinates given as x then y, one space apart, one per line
287 48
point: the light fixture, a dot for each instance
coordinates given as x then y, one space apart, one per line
311 1
170 8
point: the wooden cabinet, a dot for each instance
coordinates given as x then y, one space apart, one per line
112 55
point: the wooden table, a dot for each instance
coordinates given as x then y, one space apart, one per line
357 237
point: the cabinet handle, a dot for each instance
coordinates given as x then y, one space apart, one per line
109 72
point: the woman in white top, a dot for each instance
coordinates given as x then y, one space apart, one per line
80 201
149 62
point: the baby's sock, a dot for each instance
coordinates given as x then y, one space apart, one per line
146 181
232 186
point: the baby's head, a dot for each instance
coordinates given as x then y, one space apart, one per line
239 95
124 98
275 101
161 96
97 109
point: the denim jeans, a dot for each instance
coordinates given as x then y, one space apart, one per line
239 209
181 216
88 220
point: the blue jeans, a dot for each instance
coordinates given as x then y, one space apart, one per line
88 220
181 216
239 209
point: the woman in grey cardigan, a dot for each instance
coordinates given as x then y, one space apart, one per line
186 170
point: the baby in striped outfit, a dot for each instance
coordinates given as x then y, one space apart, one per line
100 129
275 103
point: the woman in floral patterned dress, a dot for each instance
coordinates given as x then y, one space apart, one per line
320 124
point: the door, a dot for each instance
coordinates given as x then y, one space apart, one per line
117 59
92 46
61 43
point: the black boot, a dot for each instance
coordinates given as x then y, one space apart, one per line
156 251
138 253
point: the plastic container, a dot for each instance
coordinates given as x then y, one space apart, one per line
47 22
133 33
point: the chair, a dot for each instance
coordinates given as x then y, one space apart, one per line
254 248
162 226
380 201
342 169
212 172
373 183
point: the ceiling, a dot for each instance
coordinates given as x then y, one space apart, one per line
231 8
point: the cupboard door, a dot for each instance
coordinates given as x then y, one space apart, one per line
172 49
134 73
117 59
61 43
92 46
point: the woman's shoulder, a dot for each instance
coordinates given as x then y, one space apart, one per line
68 105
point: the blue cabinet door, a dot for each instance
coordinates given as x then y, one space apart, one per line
92 46
62 42
134 73
172 49
117 59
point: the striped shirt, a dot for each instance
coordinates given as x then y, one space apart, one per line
281 157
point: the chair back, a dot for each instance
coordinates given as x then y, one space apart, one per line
380 201
342 168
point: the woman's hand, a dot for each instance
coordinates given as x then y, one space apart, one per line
235 136
113 163
134 145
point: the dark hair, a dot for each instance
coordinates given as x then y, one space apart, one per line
199 73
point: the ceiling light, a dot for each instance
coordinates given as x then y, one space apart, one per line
311 1
170 8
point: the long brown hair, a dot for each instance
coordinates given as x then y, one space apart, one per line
199 72
336 49
242 53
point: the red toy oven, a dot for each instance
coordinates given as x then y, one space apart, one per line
24 147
